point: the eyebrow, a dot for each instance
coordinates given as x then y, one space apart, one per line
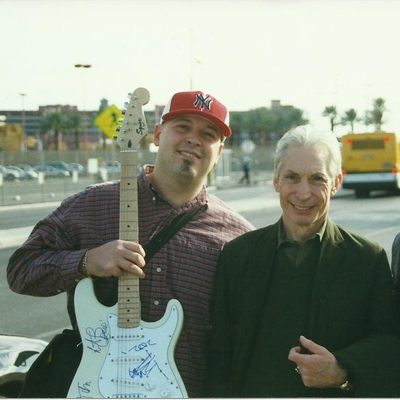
290 171
210 126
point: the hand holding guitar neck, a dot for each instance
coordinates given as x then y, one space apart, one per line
112 258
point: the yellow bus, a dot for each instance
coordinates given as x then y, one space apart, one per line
371 161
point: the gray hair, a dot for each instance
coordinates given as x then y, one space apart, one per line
305 136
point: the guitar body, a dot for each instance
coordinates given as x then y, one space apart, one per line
125 362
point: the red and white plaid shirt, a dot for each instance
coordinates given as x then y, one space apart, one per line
47 263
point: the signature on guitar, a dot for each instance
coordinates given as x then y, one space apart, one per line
97 338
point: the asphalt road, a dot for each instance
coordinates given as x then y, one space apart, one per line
377 218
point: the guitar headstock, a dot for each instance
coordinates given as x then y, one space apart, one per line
134 127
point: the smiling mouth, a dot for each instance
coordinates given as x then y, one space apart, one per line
304 208
188 154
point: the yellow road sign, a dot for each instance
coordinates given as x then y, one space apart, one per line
107 121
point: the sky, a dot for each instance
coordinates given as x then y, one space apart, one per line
307 53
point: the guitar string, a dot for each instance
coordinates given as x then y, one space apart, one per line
128 231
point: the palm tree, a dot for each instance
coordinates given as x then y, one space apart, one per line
74 122
350 118
377 113
54 121
103 106
367 119
331 112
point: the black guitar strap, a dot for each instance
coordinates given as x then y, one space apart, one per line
152 247
161 238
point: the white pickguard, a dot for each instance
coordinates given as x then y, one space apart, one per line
125 362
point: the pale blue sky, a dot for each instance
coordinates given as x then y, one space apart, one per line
310 54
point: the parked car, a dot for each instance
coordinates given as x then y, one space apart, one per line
8 174
52 172
25 174
61 165
112 167
110 170
17 353
26 167
76 167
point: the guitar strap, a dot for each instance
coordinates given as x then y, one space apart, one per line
152 247
161 238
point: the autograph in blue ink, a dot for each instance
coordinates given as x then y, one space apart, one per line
141 346
146 367
97 338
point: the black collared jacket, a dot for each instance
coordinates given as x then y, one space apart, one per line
352 311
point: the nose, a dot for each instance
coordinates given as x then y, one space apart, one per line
303 191
193 138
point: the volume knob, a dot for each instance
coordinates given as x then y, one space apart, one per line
164 393
149 386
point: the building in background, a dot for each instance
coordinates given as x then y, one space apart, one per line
34 139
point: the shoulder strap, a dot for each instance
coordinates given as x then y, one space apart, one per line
155 244
161 238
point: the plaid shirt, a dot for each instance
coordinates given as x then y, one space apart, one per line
47 263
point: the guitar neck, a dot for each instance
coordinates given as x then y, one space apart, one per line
133 129
128 284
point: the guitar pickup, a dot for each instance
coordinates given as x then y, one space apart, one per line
127 383
127 337
127 360
128 396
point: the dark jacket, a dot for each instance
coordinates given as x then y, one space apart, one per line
352 311
396 269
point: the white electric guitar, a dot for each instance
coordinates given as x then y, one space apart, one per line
123 356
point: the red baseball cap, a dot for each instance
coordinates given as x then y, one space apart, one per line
198 103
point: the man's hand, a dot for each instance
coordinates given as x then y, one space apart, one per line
112 258
319 369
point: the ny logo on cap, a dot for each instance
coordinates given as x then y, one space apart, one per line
203 101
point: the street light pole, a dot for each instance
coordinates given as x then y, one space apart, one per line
23 121
84 66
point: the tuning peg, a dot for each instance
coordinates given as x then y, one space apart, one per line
123 112
120 120
126 104
129 95
118 128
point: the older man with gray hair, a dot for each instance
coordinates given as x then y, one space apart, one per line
303 307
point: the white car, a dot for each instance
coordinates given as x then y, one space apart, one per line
24 174
9 174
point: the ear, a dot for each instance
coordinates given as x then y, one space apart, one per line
276 183
221 147
337 184
157 133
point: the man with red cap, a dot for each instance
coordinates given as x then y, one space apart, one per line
80 238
